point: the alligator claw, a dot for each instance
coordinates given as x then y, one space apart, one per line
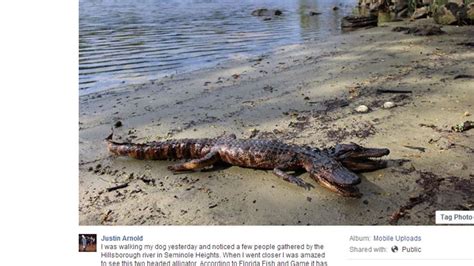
308 186
298 181
292 179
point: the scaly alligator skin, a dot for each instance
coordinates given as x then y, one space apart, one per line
329 167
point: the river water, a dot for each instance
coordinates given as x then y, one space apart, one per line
133 41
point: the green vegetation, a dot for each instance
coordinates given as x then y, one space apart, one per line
412 4
440 2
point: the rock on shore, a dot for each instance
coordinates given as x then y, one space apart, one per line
454 14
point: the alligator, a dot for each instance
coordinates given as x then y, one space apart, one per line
332 168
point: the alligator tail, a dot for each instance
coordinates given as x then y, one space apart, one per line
158 150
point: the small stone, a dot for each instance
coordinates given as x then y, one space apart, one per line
118 124
467 113
388 105
362 109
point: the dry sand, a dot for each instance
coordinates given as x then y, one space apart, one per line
302 94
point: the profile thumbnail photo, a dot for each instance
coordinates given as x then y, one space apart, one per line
87 242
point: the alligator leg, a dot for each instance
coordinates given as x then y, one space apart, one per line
292 179
196 164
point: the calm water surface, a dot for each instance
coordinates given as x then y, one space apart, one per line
132 41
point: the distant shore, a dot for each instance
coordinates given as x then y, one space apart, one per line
302 94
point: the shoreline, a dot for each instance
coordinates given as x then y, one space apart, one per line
304 94
235 62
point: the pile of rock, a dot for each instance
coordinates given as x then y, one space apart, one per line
397 8
446 12
453 12
375 5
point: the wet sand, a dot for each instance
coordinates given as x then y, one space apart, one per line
301 94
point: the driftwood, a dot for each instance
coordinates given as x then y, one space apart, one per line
117 187
463 76
354 22
421 149
469 44
392 91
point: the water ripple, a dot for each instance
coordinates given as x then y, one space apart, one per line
132 41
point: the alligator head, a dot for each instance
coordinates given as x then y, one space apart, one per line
358 158
334 168
331 174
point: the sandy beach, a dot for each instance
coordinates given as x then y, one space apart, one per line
300 94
